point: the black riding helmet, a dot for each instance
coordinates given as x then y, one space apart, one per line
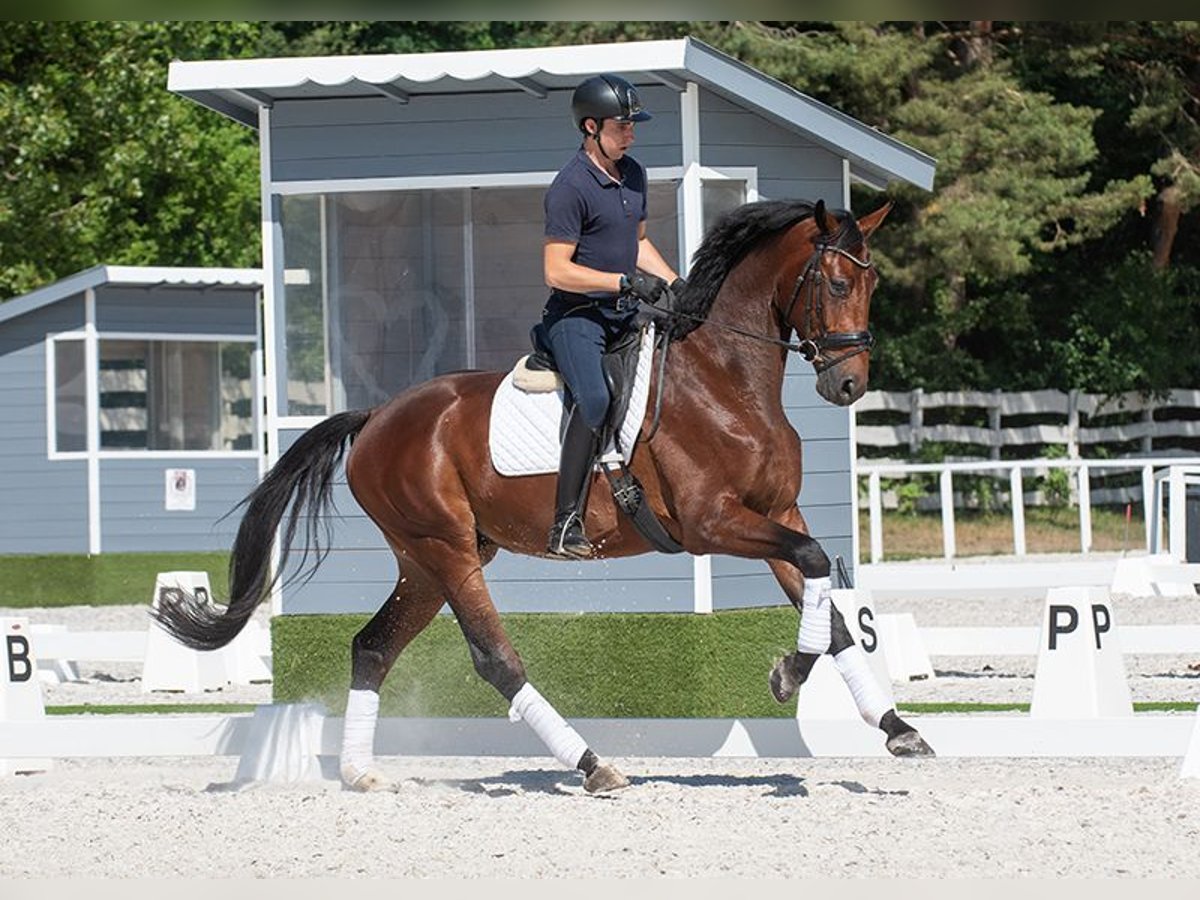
606 97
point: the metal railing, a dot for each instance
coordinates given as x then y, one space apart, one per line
1173 474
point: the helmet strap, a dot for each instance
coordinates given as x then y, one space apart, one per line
596 138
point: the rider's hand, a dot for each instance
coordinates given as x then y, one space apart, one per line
645 287
678 286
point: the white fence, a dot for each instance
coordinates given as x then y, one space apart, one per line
1075 420
1161 478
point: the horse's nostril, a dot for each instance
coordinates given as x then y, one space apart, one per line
848 387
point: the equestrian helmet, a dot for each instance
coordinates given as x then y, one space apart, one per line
606 97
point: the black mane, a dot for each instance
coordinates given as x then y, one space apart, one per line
733 236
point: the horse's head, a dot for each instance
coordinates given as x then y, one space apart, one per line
830 301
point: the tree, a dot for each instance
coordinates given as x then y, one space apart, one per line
103 165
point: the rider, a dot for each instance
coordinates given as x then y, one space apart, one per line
600 264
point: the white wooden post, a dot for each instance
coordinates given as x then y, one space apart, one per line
1073 424
1085 510
1148 507
1017 490
994 424
875 506
914 420
947 486
1177 521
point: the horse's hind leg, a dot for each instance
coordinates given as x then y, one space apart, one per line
374 650
823 630
497 662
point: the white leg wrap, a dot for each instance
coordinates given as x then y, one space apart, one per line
358 735
815 616
563 741
868 696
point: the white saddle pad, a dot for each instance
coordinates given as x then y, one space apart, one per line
523 429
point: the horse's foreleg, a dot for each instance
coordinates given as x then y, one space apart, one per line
411 607
823 630
497 662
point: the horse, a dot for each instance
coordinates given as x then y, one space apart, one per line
722 472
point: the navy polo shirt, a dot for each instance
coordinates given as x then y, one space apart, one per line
584 206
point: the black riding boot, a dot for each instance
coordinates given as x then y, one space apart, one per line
567 540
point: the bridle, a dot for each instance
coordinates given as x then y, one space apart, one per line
813 348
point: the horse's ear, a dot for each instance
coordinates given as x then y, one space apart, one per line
820 218
868 223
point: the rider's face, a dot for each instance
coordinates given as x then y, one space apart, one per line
617 137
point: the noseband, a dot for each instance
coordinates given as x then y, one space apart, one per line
814 339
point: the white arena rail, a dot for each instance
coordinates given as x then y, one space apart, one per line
1160 477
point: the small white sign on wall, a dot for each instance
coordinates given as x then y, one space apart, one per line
181 489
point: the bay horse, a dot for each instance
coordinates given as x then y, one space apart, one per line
722 472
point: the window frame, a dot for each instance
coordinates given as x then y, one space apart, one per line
92 376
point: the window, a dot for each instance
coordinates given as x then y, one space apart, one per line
156 395
416 283
70 396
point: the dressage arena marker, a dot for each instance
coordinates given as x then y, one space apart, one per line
20 689
825 694
1156 575
169 665
1080 670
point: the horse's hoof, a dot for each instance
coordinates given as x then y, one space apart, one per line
604 779
367 781
909 743
783 679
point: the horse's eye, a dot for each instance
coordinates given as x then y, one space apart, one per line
839 287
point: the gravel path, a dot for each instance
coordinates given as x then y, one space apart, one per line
682 818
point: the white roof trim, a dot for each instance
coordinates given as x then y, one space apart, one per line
237 87
134 276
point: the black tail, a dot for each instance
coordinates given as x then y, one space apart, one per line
302 478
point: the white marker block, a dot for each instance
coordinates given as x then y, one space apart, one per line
825 694
737 743
903 648
248 654
20 688
283 745
169 665
1080 670
1155 575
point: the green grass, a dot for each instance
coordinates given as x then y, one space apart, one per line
103 580
85 709
594 665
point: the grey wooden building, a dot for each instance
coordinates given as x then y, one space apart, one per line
131 410
402 197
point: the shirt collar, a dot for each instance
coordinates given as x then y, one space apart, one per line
601 177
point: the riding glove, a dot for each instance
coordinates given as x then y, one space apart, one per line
645 287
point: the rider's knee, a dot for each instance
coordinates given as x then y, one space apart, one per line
593 408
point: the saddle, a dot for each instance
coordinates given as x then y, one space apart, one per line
537 373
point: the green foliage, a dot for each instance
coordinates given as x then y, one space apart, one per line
103 165
104 580
1063 148
593 665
